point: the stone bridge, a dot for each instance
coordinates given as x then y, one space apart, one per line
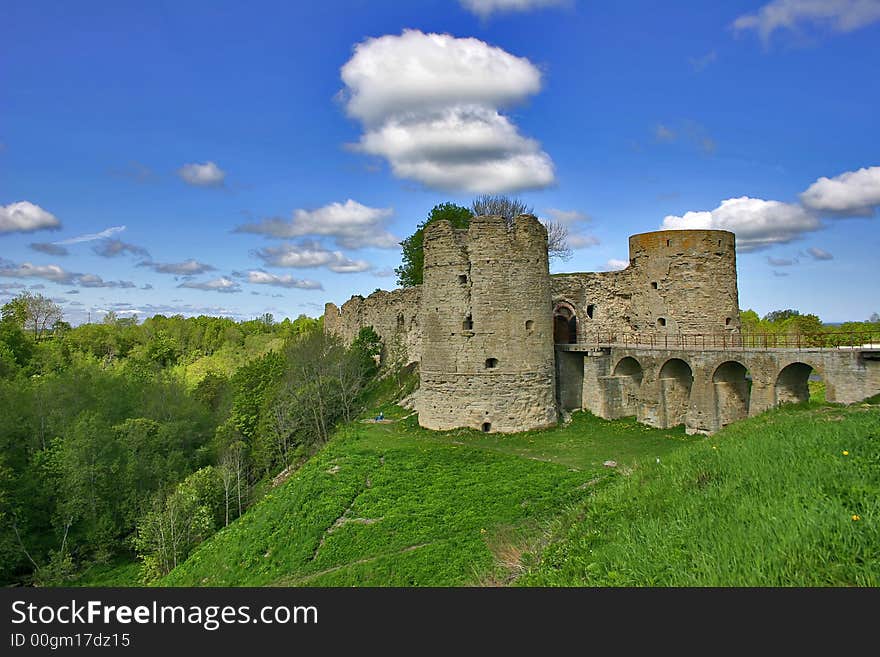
706 388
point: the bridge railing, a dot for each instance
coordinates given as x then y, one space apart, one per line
751 341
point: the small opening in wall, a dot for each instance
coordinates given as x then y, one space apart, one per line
661 321
467 324
727 321
654 284
530 324
487 427
491 363
719 242
591 308
462 278
668 242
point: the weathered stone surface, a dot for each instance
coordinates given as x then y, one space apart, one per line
487 340
393 315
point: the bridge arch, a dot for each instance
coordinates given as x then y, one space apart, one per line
793 383
676 381
732 392
629 374
565 323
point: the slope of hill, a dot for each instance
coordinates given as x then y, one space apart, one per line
392 504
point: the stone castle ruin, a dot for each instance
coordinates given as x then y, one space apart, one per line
504 346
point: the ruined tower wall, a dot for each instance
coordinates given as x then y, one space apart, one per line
393 315
685 279
678 281
487 332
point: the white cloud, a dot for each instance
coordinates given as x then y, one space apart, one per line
259 277
781 262
49 248
57 274
700 64
113 247
310 254
819 254
836 15
387 272
186 268
853 193
221 284
574 222
615 265
91 237
757 223
664 133
485 8
568 217
202 175
93 280
577 241
27 270
25 217
352 224
430 104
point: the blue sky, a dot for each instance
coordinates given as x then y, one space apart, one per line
236 159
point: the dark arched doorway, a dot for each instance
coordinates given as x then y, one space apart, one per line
564 324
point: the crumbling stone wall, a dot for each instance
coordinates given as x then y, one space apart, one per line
487 333
393 315
678 281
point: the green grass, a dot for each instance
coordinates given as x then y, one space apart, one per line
768 501
118 573
393 504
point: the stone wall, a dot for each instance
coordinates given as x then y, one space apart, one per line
678 281
487 333
708 389
393 315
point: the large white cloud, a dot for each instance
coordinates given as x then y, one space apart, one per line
757 223
26 217
202 175
352 224
485 8
853 193
310 254
836 15
431 105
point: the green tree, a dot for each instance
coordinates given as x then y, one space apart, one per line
411 270
167 534
781 315
33 312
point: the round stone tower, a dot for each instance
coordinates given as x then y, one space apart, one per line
684 281
487 333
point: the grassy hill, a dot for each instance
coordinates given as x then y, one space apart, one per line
393 504
768 501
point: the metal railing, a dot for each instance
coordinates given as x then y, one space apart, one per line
742 341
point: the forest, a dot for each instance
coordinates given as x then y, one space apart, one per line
124 440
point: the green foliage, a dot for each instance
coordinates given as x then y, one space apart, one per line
410 272
169 532
780 315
